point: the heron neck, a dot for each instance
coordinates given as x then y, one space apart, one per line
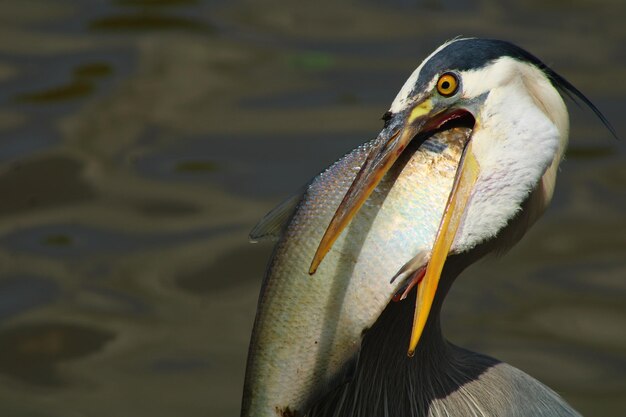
437 378
437 369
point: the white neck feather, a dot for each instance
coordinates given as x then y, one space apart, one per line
518 140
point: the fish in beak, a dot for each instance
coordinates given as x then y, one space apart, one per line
423 118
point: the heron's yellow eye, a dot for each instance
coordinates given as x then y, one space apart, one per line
447 84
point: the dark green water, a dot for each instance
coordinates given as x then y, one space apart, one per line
141 140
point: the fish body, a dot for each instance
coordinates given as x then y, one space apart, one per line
309 328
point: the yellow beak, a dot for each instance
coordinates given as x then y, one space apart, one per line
374 168
377 163
466 176
423 118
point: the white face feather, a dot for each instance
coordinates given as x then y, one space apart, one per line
521 132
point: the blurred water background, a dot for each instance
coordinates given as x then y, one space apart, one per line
140 140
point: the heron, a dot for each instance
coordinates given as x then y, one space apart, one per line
466 162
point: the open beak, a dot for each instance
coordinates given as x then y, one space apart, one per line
423 118
466 175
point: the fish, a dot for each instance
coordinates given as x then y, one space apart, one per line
308 327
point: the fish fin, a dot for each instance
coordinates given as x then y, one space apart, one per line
406 288
271 226
412 266
412 273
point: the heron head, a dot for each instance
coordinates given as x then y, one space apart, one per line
519 123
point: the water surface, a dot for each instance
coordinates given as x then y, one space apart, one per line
141 140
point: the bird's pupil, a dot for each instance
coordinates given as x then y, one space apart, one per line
445 85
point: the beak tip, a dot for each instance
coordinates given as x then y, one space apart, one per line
315 263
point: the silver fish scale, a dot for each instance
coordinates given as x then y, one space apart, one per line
309 327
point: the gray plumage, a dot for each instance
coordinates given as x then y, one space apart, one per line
332 344
441 380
